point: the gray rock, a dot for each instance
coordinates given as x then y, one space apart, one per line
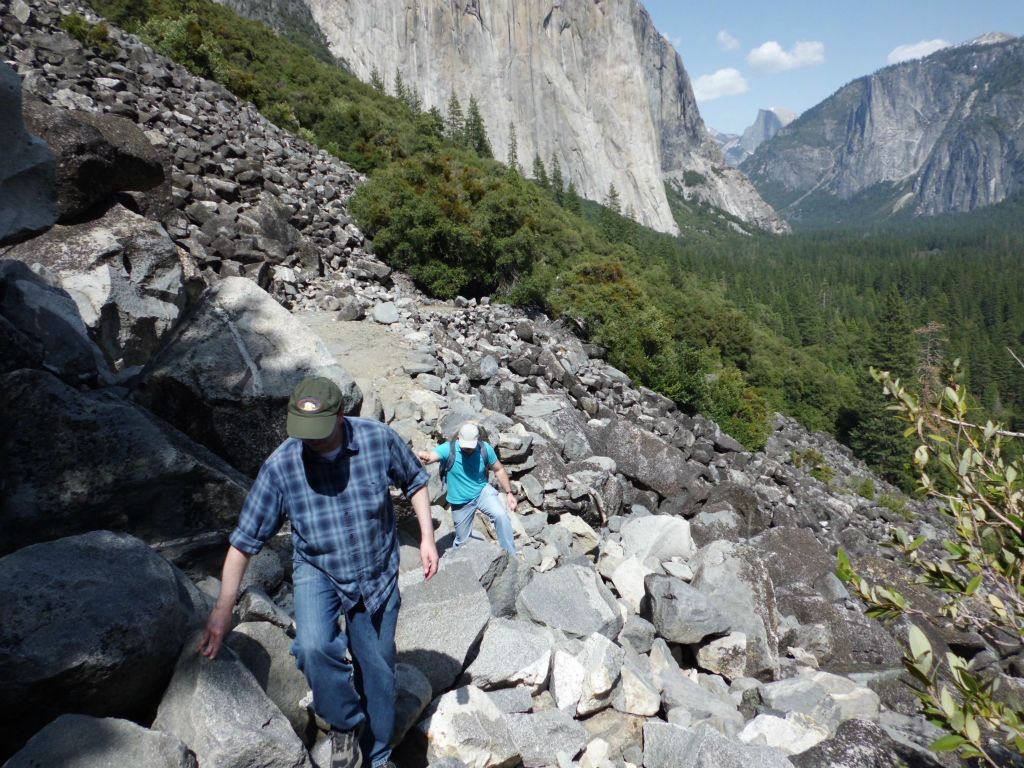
861 744
726 656
511 653
96 155
643 457
638 634
256 605
207 381
218 708
571 598
669 746
265 650
265 571
679 612
482 369
735 580
657 536
464 724
125 275
110 464
413 693
386 313
425 636
510 700
542 736
804 696
80 741
602 662
87 623
28 188
45 324
487 560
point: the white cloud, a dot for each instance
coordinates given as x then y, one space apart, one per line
727 41
770 57
910 51
724 82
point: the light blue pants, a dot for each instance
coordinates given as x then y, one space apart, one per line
489 502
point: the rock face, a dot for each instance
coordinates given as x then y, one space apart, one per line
592 84
768 123
929 136
90 624
28 191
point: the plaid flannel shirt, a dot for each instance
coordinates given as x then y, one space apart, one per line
342 519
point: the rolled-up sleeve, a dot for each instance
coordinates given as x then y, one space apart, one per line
262 514
404 469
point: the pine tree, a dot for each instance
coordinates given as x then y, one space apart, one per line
512 158
557 182
400 93
573 203
455 123
412 99
611 200
877 437
476 131
376 81
540 173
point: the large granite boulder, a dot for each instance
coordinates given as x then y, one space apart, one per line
862 744
28 187
542 736
669 746
441 621
642 456
80 741
466 725
735 580
679 612
78 461
91 624
42 328
217 707
511 653
125 275
96 155
571 598
227 373
265 650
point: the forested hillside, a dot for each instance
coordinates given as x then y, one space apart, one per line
730 324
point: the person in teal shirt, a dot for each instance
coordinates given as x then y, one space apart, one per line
468 489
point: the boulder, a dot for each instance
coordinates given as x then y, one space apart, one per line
385 314
265 650
79 461
125 275
80 741
44 325
734 579
571 598
642 456
602 660
441 621
96 155
726 656
226 376
669 746
91 624
217 707
637 693
464 724
680 613
28 186
542 737
862 744
413 693
511 653
628 578
791 734
657 536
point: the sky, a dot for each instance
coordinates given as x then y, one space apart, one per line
791 54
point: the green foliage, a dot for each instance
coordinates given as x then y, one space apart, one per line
866 488
512 156
693 178
814 463
455 122
90 35
611 199
739 409
476 131
896 503
540 173
981 572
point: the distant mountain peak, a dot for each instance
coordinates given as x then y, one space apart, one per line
989 38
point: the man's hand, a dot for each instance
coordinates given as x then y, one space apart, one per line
217 627
427 457
510 498
429 557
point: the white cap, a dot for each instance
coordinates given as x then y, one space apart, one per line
468 435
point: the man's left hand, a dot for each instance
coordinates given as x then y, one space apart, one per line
510 498
429 557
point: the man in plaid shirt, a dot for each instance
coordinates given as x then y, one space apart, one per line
331 479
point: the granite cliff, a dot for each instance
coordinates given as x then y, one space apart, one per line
924 137
593 84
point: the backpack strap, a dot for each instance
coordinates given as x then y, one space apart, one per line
448 463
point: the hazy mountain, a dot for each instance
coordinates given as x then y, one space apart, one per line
738 148
939 134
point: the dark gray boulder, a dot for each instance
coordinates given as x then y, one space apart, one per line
862 744
642 456
680 613
80 741
91 624
42 328
96 155
28 188
78 461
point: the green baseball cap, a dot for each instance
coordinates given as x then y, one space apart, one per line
313 409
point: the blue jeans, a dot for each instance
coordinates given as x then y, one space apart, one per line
347 695
490 503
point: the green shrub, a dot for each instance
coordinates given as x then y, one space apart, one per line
866 488
896 503
89 35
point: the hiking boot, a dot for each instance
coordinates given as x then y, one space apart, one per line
345 750
388 764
